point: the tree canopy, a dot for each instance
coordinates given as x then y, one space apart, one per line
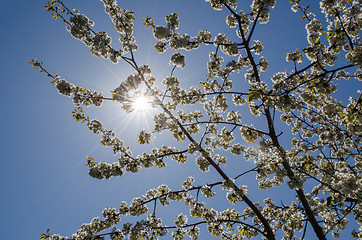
295 128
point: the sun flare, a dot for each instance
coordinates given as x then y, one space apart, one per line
141 103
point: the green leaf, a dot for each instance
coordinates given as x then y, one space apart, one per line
251 94
308 49
250 97
45 235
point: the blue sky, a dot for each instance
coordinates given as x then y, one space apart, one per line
44 180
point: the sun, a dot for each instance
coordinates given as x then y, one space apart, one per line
141 103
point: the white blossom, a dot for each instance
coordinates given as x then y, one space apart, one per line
178 59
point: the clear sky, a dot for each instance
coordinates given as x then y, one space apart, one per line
44 181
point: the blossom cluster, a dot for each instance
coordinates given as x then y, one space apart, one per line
79 28
261 8
123 23
80 95
217 4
